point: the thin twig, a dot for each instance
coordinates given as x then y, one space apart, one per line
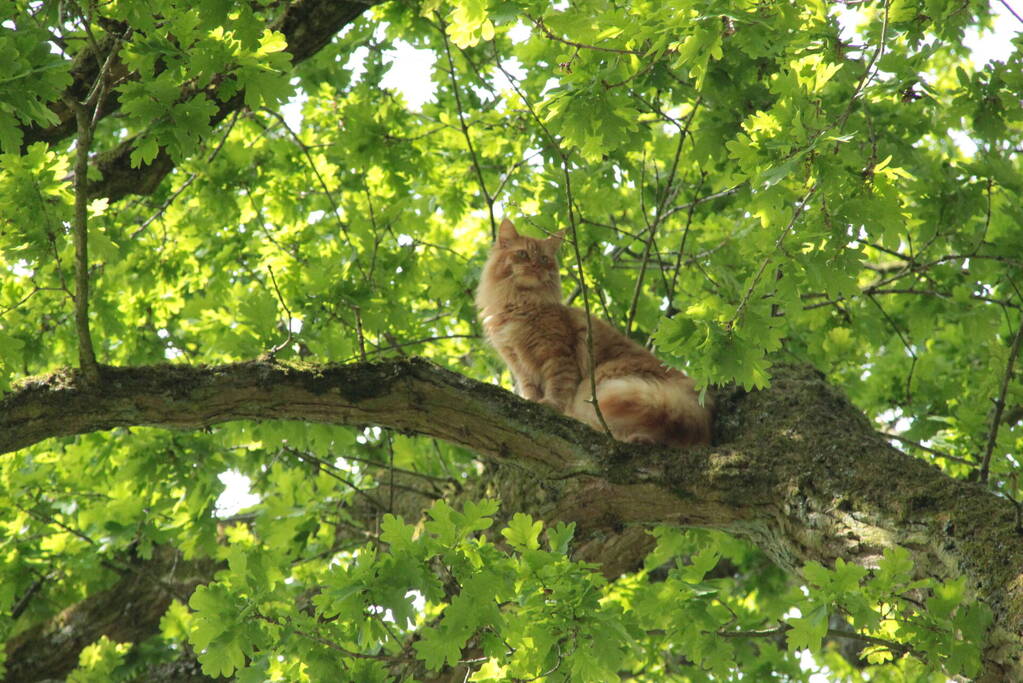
767 259
396 346
319 178
87 114
1011 10
359 335
399 470
35 290
1000 405
465 131
188 181
280 298
22 604
539 23
927 449
332 471
900 648
902 290
585 290
669 193
575 241
682 245
865 79
905 343
316 638
709 198
390 469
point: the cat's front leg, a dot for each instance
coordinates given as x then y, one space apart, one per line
526 385
560 379
529 390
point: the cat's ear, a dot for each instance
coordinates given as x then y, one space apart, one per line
557 238
506 233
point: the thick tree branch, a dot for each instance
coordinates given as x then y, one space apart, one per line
128 611
797 469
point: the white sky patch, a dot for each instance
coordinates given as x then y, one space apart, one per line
519 33
985 45
534 157
367 434
21 269
893 417
551 84
410 73
357 63
514 68
237 494
292 109
994 44
849 19
820 675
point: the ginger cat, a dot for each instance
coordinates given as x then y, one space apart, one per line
543 341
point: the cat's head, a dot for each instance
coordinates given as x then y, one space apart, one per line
526 262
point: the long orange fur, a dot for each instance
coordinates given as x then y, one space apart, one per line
543 341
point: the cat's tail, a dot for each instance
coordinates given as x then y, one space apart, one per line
648 410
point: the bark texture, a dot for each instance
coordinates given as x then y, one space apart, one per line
795 468
128 611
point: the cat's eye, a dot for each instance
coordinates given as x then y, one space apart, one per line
522 253
544 260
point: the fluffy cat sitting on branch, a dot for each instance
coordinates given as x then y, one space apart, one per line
543 341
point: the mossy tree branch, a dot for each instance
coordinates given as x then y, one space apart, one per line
797 469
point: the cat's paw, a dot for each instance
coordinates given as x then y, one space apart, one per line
531 392
552 404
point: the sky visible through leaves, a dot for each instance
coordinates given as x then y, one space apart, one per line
410 75
745 192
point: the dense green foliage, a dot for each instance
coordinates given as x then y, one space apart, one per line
743 182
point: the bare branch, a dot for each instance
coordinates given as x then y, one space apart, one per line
800 207
487 197
996 419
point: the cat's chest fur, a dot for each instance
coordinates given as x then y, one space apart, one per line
520 326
